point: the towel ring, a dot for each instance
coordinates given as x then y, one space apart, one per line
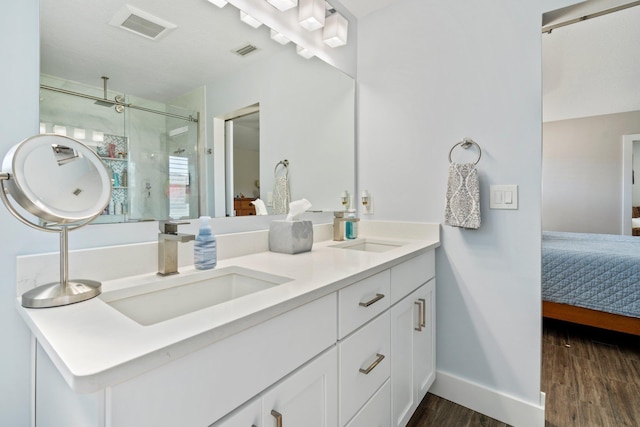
284 163
466 143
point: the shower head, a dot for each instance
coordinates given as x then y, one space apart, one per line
119 100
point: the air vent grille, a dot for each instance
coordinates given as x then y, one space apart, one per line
245 50
141 23
142 26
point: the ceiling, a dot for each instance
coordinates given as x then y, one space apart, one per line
78 43
360 8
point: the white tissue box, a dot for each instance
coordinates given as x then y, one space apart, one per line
290 237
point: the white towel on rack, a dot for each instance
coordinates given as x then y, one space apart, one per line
281 195
463 196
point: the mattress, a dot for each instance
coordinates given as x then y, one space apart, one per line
596 271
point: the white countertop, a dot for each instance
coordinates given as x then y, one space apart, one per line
95 346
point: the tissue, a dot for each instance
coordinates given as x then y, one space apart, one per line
292 235
261 209
297 208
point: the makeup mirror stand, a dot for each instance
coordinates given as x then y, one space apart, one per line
65 291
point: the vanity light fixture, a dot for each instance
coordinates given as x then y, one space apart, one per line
365 198
335 30
282 5
60 130
79 133
344 199
98 136
219 3
311 14
304 52
279 37
249 20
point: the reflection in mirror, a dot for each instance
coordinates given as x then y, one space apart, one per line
150 150
307 107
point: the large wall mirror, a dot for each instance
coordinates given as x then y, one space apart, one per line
161 118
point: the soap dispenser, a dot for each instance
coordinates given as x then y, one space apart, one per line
205 251
351 227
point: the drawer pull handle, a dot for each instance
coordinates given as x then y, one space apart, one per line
372 301
278 416
420 304
375 363
423 322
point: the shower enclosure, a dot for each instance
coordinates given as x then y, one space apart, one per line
149 148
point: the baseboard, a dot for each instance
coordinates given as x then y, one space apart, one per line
503 407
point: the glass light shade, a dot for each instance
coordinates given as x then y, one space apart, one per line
283 5
335 30
311 14
279 37
79 133
304 52
98 136
249 20
219 3
60 130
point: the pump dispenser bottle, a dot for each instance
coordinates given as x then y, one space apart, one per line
205 251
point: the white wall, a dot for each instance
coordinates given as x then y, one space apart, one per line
592 68
582 172
429 74
18 120
636 167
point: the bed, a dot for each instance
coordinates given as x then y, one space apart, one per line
592 279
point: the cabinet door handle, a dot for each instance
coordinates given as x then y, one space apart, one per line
375 363
278 416
420 304
423 323
373 300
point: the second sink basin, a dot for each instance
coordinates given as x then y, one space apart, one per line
162 300
368 245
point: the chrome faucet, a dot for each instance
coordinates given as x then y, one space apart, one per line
338 224
168 240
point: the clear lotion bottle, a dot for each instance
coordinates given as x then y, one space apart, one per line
205 250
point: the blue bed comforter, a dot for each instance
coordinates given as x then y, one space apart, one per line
596 271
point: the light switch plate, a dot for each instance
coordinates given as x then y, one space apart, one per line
503 197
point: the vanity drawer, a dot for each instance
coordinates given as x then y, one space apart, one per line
377 411
411 274
363 365
362 301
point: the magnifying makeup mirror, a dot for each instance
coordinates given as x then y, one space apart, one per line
65 184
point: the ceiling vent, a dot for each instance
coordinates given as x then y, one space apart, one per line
245 50
141 23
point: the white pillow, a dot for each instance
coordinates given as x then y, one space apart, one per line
635 222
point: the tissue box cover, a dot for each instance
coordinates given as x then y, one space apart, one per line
290 237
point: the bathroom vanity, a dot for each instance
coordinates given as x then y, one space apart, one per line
343 335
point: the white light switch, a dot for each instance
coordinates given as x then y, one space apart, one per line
508 197
503 197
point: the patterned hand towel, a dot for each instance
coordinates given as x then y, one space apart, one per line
463 196
281 195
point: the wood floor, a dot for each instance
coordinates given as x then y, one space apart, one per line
591 378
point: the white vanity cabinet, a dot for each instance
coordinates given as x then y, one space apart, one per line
386 347
412 351
360 356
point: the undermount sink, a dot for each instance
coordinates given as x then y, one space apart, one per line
157 301
368 245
